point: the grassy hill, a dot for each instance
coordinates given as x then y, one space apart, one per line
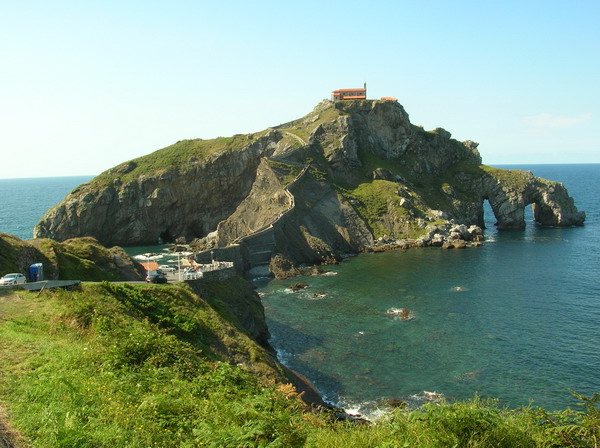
159 365
77 258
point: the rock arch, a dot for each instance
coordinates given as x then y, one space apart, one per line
551 203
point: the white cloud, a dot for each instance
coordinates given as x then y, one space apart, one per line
5 155
544 123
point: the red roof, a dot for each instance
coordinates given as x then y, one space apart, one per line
349 90
150 265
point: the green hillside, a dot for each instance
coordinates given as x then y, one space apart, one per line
75 259
143 366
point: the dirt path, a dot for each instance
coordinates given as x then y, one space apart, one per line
9 438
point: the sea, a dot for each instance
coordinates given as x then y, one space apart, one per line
517 320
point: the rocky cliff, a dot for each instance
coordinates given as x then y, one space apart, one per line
341 179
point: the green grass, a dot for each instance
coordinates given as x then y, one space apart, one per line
300 132
74 259
371 162
287 172
180 154
303 131
473 423
10 249
378 201
189 152
143 366
120 365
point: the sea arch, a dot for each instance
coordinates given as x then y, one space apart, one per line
552 206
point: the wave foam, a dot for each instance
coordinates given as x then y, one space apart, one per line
400 313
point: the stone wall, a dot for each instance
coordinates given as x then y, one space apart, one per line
219 275
234 253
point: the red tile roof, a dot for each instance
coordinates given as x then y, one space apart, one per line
349 90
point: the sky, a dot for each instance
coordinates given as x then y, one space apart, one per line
86 85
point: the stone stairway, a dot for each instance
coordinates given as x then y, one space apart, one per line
259 245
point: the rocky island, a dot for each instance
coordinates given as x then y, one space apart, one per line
191 363
348 177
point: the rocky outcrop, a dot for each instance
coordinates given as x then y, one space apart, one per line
243 305
187 200
267 200
75 259
335 181
551 203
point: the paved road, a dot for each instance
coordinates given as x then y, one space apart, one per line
37 286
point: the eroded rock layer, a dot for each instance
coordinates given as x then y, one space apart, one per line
347 177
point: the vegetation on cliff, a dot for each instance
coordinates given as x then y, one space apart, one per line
374 174
175 156
74 259
150 365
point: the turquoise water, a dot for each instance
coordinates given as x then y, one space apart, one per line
524 325
517 319
23 202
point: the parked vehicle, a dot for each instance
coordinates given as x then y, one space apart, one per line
190 275
167 268
12 279
156 278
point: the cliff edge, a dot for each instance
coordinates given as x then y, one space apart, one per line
344 178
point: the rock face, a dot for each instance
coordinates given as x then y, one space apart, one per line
132 205
348 177
551 203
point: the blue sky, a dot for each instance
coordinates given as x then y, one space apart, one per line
87 85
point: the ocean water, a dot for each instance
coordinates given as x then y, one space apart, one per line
23 202
517 319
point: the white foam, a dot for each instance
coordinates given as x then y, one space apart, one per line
428 397
259 279
283 357
153 257
315 296
400 313
367 410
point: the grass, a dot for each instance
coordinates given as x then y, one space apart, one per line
378 203
148 365
472 423
304 131
10 250
182 153
77 258
299 132
286 172
120 365
189 152
371 162
512 179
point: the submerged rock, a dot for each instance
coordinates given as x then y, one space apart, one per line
298 286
